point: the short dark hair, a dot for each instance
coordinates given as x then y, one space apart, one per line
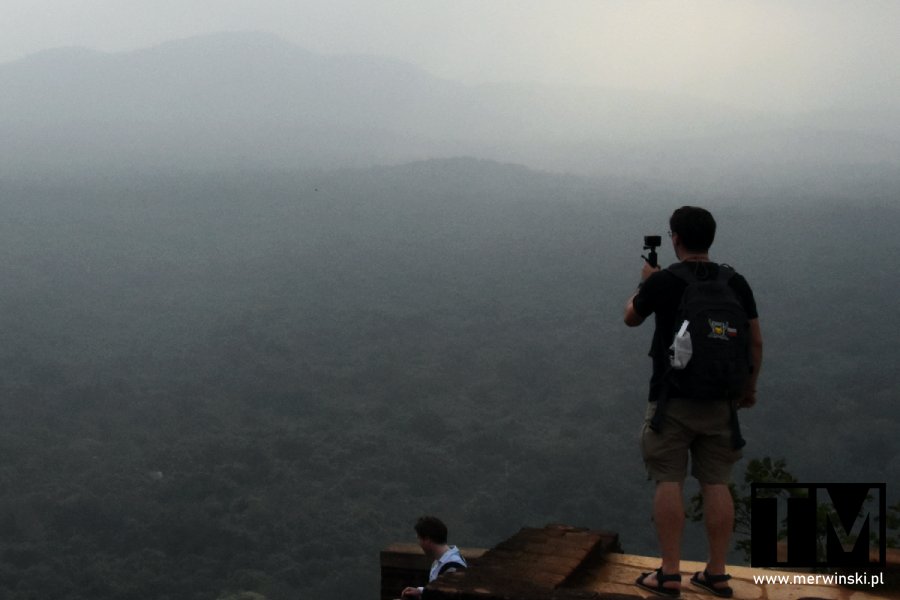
695 227
432 528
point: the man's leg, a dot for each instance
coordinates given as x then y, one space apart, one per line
665 455
718 511
713 458
668 516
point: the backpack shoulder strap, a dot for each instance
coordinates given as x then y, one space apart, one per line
726 272
682 272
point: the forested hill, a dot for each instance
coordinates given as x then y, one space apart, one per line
254 381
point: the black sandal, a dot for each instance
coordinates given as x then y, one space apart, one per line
661 578
708 583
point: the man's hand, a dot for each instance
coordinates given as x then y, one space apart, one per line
411 592
756 354
647 271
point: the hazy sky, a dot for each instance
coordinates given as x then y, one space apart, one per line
755 53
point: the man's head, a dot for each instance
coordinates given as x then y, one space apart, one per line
432 534
694 227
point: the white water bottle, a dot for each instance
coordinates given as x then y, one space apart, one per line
680 351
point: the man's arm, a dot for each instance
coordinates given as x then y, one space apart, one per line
756 355
632 317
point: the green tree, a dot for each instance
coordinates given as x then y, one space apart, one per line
893 526
767 470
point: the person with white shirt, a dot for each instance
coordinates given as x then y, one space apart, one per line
432 536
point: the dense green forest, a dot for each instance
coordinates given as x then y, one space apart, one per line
255 381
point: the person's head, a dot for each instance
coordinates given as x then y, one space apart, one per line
694 227
432 533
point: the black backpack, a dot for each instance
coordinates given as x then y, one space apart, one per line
720 364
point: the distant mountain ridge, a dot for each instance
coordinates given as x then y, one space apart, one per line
253 100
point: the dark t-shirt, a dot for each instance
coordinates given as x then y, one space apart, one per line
661 294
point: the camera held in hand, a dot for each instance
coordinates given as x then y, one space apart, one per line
651 243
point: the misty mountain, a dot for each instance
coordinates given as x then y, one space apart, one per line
253 100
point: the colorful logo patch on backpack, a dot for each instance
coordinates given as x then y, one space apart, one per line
720 330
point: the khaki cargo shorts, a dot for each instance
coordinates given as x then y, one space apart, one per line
697 428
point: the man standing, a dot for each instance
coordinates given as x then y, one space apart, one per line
676 426
432 535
